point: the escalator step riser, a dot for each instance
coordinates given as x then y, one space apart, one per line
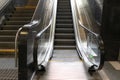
11 28
10 45
64 31
63 14
15 14
23 12
63 4
64 26
65 47
19 18
31 4
65 10
68 43
22 15
7 38
8 33
64 1
64 36
64 17
63 7
25 9
16 22
62 21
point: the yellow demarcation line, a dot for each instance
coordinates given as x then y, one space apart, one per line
63 61
7 50
26 7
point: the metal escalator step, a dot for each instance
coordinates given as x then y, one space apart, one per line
22 15
64 30
28 11
64 10
11 27
64 25
64 1
64 17
64 36
20 18
16 22
32 2
7 32
7 45
24 9
64 21
7 38
64 47
19 15
65 42
65 6
64 14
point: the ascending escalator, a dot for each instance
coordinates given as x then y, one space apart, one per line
64 32
14 20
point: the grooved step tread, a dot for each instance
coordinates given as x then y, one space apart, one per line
16 22
7 45
64 47
64 30
65 42
6 38
20 18
8 32
26 7
58 25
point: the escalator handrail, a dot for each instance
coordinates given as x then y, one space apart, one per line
43 30
100 41
37 36
30 26
83 26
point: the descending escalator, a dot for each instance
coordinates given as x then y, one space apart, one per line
15 20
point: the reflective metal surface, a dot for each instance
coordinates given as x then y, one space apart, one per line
88 39
35 47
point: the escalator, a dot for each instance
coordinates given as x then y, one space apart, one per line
66 47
